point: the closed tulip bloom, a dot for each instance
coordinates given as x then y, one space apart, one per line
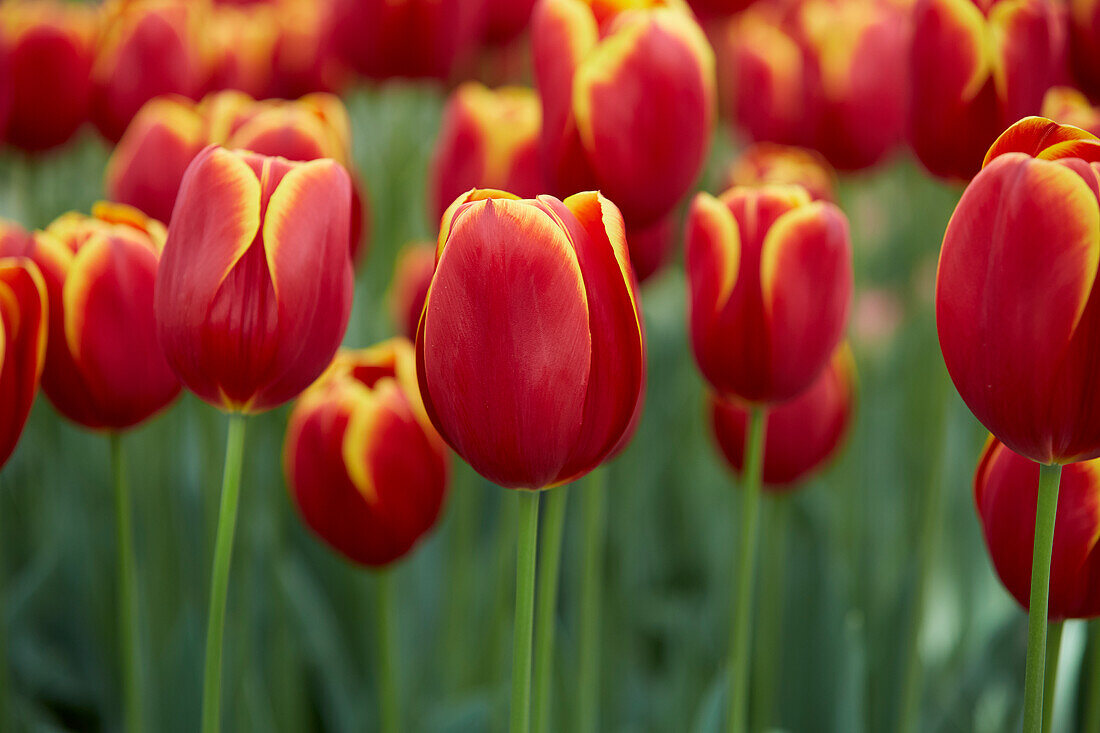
1068 106
411 277
764 163
104 366
770 281
488 139
48 69
977 67
365 467
23 314
628 95
1006 493
255 284
1016 303
801 434
530 352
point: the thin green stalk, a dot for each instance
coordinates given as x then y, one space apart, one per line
746 562
1034 676
769 614
549 567
460 584
219 576
588 672
526 543
389 703
1092 695
130 656
1054 649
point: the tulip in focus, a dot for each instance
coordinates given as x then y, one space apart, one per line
254 289
411 277
365 467
23 315
1068 106
764 163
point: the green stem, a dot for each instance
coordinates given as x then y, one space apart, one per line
767 655
549 566
219 576
457 625
588 673
130 660
526 543
1092 699
746 562
1054 649
388 699
1045 512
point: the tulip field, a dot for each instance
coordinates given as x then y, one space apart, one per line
549 366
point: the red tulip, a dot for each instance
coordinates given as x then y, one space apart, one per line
1016 307
628 101
764 163
305 58
49 63
505 19
488 139
801 434
1068 106
770 279
1006 494
23 309
241 41
365 467
411 277
977 67
530 352
255 283
1084 43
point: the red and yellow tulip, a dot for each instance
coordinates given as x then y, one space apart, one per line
764 163
411 277
23 316
530 351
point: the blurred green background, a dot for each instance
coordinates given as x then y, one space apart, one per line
300 653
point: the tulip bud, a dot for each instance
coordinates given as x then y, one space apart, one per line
104 367
23 313
801 434
254 289
149 48
628 101
411 277
49 61
1068 106
1006 494
488 139
1016 306
530 352
365 467
764 163
770 281
977 67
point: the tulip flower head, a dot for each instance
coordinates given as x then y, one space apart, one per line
770 285
1068 106
23 314
1006 494
1016 301
411 277
254 289
530 352
763 163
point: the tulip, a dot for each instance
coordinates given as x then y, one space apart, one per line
23 315
305 58
47 70
242 41
1070 107
488 139
764 163
977 67
504 20
628 101
104 367
1084 44
149 48
411 277
14 240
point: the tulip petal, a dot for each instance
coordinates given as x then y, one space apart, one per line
1033 136
23 318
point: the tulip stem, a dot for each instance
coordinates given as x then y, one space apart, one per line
588 675
388 700
1034 676
1092 697
130 659
219 576
549 566
767 653
526 549
745 564
1054 649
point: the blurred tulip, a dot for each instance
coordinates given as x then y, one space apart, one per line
255 284
801 434
365 467
488 139
411 277
770 279
305 58
1006 495
148 48
1016 307
241 42
15 241
707 9
530 352
104 367
628 100
505 19
23 314
977 67
1068 106
1084 43
764 163
48 69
